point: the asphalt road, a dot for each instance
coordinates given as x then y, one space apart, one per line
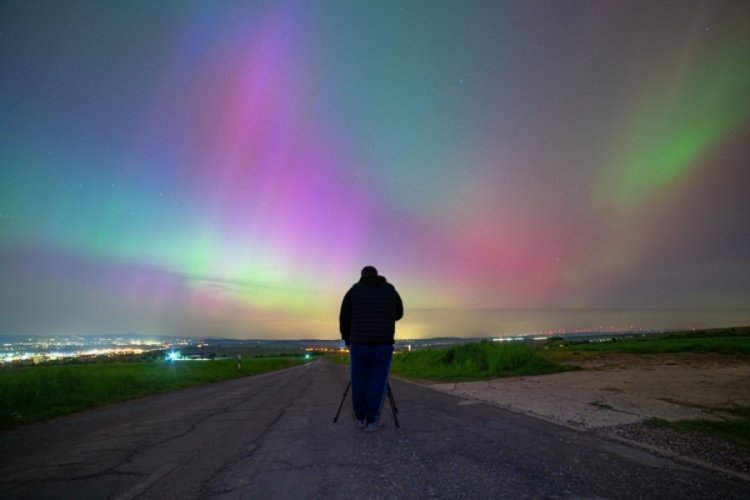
272 436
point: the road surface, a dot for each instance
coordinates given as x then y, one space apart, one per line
272 436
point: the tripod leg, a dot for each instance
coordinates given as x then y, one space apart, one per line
342 401
390 398
394 409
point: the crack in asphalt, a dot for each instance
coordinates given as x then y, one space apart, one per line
229 408
253 446
52 480
195 424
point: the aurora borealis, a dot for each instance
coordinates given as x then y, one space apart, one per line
226 168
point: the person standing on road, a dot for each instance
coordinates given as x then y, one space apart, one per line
367 323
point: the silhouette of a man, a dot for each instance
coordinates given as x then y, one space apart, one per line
367 323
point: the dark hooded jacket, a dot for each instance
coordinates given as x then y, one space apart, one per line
369 312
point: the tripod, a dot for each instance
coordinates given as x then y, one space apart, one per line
388 391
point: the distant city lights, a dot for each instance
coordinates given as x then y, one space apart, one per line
44 349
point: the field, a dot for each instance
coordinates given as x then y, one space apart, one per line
474 362
601 360
724 347
734 341
33 393
488 360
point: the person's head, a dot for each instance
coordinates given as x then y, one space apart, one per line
369 271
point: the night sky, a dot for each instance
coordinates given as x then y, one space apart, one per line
227 168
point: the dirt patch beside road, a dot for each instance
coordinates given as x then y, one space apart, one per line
622 389
614 393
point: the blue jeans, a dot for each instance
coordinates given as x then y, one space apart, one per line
369 366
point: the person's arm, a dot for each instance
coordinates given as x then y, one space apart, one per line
345 317
399 306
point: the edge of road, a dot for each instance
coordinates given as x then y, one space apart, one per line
655 450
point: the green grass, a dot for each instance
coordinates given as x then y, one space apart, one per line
33 393
338 359
736 430
483 360
737 345
602 405
475 361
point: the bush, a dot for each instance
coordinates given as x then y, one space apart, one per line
474 361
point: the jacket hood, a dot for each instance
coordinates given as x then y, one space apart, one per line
372 281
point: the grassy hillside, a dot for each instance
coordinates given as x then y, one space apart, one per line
32 393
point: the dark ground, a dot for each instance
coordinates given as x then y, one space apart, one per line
272 436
